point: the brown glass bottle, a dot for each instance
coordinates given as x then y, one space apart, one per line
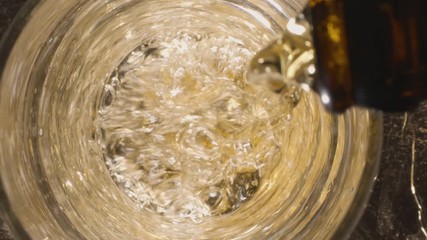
371 53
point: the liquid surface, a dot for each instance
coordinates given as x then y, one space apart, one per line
183 132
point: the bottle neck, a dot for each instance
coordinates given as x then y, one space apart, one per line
370 52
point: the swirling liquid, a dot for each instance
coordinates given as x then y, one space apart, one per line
183 132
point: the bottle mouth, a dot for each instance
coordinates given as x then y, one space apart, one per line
287 65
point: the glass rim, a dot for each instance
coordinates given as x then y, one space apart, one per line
367 180
6 45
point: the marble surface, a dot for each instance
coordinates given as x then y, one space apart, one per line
397 206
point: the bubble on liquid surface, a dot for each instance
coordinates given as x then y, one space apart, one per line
183 133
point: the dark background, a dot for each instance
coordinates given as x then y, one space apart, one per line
393 212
